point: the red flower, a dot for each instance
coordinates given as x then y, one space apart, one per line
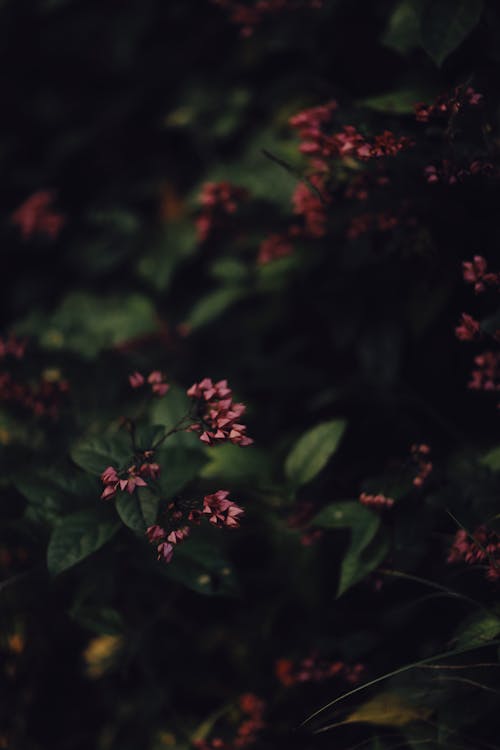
36 216
220 510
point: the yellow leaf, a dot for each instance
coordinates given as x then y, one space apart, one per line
388 710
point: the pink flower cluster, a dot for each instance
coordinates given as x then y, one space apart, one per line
216 508
368 222
486 375
445 171
42 399
13 347
273 247
128 479
36 216
469 329
165 540
311 669
248 730
420 454
218 200
249 16
475 272
217 414
221 511
445 105
155 379
309 206
377 502
481 548
349 142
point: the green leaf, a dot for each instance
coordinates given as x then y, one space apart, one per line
169 411
445 24
139 510
213 305
86 323
313 450
96 454
402 33
234 464
77 537
55 492
365 551
480 628
158 266
179 466
395 102
492 459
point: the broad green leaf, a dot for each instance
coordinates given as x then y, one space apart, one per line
171 410
213 305
235 464
139 510
95 454
179 466
402 33
77 537
54 492
445 24
480 628
313 450
365 551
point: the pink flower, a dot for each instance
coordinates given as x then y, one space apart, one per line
165 552
155 533
136 379
150 470
475 273
219 200
36 216
482 549
273 247
159 386
178 535
420 454
218 414
486 376
220 510
110 479
132 481
468 330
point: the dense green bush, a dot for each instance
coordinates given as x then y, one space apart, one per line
297 201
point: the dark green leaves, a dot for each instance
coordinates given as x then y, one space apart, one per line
439 26
77 537
480 628
366 549
139 510
96 454
444 24
312 451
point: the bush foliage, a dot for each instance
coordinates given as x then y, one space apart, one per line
249 373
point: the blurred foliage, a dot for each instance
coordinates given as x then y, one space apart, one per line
343 351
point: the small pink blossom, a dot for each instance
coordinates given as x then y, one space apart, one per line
218 414
165 551
150 470
420 455
136 380
36 216
155 533
158 384
475 273
468 330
